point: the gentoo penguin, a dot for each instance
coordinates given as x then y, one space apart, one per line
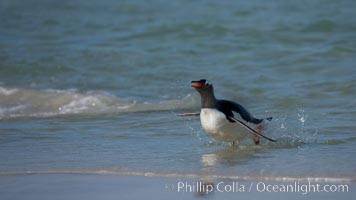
217 117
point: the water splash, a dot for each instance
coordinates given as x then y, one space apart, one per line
192 129
302 117
291 130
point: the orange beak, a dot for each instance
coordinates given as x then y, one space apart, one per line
197 84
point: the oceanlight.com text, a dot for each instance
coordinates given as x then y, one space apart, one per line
303 188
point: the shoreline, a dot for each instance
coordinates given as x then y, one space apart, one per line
182 175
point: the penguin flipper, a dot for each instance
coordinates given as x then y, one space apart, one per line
188 114
254 133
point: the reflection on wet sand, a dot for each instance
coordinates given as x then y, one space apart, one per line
229 156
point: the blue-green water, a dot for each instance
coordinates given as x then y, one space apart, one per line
95 86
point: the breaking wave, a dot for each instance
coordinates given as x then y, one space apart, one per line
22 103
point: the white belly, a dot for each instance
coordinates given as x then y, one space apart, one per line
218 127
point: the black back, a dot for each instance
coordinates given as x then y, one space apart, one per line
227 107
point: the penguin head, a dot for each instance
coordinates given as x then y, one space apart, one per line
203 86
206 91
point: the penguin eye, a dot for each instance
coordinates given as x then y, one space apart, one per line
207 83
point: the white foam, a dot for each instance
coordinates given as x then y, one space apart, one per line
17 102
80 105
185 175
7 91
11 109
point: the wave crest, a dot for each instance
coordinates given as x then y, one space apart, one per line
18 103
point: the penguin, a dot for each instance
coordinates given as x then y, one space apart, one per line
218 120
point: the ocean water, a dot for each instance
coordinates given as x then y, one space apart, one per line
95 87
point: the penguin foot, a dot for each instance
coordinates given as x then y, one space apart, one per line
256 139
234 144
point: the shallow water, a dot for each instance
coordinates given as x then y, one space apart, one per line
96 86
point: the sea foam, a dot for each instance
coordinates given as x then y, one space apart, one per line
17 102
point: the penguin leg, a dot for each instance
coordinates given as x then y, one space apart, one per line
260 128
256 140
251 130
188 114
